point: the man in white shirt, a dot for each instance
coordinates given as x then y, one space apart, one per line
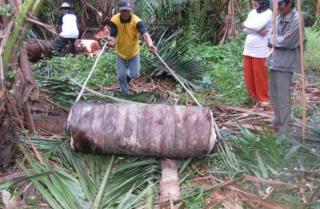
67 24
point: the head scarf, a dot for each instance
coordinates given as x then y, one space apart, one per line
264 5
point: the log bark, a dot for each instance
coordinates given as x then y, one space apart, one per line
38 48
31 89
12 109
28 117
142 130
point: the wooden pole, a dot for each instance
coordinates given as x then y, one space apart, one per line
301 34
274 24
318 8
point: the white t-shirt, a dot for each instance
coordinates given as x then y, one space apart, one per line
69 26
255 44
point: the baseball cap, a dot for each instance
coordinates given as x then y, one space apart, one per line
283 1
125 5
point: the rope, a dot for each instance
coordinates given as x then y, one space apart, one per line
189 92
83 88
303 101
178 79
90 74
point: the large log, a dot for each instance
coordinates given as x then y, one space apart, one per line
143 130
38 48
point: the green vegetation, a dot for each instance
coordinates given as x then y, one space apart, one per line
5 10
313 46
131 179
78 68
65 179
224 63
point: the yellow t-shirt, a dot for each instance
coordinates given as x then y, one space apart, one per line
127 40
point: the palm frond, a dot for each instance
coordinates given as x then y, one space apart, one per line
75 183
65 90
97 202
166 15
174 51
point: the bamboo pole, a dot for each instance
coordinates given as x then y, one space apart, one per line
274 24
301 34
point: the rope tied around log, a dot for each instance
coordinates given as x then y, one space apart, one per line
216 131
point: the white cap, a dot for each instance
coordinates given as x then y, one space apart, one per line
65 5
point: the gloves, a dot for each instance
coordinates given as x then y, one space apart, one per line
153 49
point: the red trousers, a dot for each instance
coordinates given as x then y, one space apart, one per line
256 78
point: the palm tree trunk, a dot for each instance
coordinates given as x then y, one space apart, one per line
17 32
142 130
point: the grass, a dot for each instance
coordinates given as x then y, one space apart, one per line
313 50
225 67
224 64
78 68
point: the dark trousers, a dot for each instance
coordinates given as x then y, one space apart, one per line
61 42
280 96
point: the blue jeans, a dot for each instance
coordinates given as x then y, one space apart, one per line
127 68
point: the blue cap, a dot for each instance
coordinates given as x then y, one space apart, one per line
283 1
125 5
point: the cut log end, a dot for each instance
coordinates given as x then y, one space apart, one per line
169 184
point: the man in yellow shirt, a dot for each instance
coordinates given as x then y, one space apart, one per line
124 35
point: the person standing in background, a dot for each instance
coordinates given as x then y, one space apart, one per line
68 27
258 28
283 62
